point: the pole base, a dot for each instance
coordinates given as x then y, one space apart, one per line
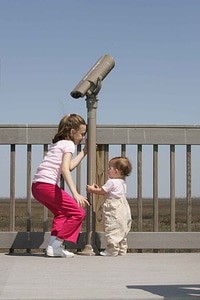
87 251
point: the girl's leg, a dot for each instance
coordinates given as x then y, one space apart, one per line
52 239
68 216
74 216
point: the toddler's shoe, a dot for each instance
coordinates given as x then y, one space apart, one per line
122 253
58 252
106 253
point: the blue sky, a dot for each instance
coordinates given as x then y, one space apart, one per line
47 46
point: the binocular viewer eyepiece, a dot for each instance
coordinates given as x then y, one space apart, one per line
91 82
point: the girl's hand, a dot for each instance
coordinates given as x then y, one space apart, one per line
85 147
81 200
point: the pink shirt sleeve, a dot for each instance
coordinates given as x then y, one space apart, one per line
49 171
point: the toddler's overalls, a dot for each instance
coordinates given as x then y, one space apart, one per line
117 222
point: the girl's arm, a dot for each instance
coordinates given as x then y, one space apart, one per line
66 173
77 159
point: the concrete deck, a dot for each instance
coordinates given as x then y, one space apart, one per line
134 276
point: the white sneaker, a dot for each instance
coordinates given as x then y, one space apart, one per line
58 252
67 253
106 253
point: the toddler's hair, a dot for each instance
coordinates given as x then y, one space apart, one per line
68 122
121 163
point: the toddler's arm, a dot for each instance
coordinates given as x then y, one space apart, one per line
95 189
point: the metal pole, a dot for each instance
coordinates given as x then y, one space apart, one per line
92 102
90 86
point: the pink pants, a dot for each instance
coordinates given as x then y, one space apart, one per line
68 216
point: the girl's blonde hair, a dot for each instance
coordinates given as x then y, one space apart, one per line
68 122
122 164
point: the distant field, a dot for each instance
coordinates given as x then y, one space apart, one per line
164 214
37 211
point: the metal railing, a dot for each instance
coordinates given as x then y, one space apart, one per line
108 136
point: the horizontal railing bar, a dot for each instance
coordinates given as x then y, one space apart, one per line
107 134
195 126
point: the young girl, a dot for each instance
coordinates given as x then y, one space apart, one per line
68 211
116 210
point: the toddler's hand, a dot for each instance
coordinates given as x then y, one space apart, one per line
88 188
91 188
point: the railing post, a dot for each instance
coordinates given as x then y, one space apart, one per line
28 192
172 186
155 187
123 150
139 204
12 188
98 200
188 189
28 187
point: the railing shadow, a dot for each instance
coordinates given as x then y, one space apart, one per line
187 291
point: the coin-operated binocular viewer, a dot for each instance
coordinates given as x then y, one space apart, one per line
89 87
